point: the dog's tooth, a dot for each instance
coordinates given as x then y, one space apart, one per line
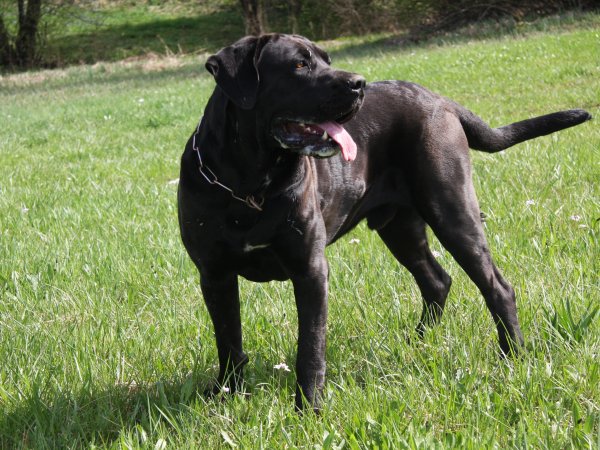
325 136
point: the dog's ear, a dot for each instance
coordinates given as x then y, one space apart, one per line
236 72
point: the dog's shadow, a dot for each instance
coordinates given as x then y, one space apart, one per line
96 415
93 414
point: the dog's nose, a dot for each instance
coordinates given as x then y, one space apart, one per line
357 82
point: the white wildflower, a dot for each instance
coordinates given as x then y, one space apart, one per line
435 253
575 218
530 202
282 366
354 241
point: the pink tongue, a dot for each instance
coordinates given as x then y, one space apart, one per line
341 136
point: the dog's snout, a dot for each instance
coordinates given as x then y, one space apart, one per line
357 82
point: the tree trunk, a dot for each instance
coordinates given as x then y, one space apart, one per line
6 49
252 16
25 44
295 8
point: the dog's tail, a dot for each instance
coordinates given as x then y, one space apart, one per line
482 137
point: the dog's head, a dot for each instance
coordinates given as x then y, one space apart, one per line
288 82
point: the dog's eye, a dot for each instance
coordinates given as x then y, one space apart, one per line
301 64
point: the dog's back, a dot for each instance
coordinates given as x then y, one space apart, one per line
395 105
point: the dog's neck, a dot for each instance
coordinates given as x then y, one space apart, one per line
231 148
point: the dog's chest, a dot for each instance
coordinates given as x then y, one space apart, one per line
248 247
237 234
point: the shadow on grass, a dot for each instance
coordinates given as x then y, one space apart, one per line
490 29
97 417
51 417
132 413
164 36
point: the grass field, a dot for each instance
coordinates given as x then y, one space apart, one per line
104 338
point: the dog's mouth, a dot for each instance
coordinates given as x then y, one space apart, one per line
319 140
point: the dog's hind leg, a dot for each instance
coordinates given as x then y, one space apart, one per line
222 300
463 236
448 204
406 238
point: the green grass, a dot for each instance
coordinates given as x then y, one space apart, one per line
104 338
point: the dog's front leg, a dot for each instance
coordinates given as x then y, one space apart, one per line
222 300
310 289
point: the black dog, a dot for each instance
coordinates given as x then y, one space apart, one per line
252 201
